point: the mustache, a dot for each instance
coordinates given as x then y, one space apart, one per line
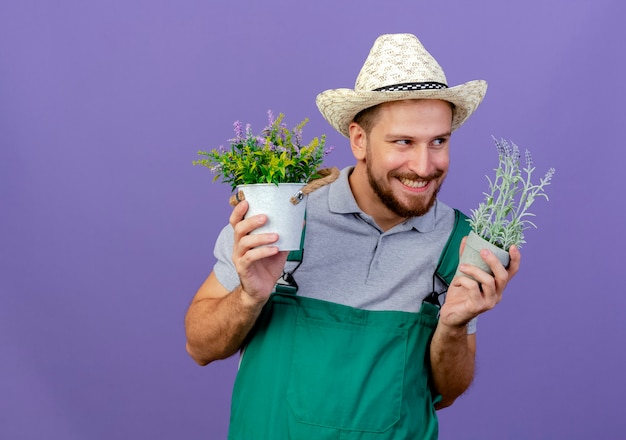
413 176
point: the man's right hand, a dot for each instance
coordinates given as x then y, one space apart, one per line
258 265
218 321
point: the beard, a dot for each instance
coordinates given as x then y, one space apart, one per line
416 206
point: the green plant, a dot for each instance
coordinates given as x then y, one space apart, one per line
502 218
275 156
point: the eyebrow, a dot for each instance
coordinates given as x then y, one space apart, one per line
405 136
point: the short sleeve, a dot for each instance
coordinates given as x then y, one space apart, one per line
471 326
224 268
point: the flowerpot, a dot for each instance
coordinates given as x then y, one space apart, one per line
283 217
471 254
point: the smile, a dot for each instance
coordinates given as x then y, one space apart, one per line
413 183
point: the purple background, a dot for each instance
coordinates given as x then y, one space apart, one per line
106 229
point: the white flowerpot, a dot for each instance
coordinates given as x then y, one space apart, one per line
283 217
471 254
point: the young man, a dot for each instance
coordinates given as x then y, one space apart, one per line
356 351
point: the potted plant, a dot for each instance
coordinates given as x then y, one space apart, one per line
501 219
269 169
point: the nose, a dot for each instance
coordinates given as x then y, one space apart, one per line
420 161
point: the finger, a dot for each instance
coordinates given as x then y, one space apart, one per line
475 273
498 269
246 226
251 250
516 258
483 282
252 255
478 299
238 212
503 275
254 241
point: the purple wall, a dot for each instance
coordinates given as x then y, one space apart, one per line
106 229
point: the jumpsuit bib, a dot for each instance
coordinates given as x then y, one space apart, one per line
327 371
316 370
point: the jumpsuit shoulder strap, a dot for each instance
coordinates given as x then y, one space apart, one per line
297 255
449 258
286 284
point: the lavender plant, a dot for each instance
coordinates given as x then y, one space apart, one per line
277 155
504 215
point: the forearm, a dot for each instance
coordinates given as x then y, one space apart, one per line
217 327
452 357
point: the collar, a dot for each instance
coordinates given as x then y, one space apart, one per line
341 201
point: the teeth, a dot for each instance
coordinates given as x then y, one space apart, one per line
414 183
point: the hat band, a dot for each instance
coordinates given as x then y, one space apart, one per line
412 86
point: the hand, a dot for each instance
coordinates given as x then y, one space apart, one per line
258 267
468 298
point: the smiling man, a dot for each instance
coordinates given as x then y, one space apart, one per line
362 345
402 158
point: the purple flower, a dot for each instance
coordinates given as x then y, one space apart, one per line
515 154
238 132
501 147
297 133
216 168
529 159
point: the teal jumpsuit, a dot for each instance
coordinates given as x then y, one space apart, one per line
317 370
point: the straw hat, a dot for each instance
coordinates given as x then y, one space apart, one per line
398 67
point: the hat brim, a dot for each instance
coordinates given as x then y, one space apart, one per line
340 106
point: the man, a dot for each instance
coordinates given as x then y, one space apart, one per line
356 351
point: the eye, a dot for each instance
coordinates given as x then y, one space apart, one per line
403 142
439 142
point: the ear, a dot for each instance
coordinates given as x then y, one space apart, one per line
358 140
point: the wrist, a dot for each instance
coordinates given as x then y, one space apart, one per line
249 302
452 330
